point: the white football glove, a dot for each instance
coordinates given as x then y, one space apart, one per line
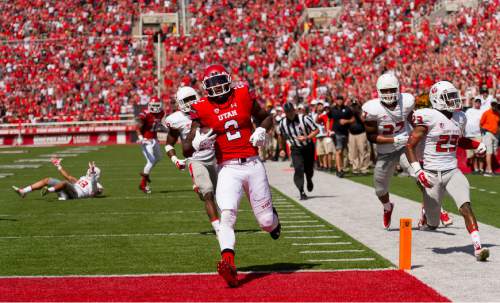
203 141
258 138
423 177
140 140
400 140
481 149
180 164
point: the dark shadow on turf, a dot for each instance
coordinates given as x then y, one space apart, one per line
260 271
248 231
7 219
463 249
441 230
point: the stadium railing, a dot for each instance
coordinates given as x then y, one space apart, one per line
72 133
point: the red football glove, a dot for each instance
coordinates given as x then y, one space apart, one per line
424 179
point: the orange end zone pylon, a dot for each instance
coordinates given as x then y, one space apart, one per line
405 243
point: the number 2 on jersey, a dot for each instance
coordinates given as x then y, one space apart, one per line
232 131
447 143
389 129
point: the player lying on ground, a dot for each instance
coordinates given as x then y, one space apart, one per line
228 111
202 164
72 188
148 125
441 129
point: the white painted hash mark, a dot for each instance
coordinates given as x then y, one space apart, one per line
343 260
331 251
303 226
303 221
319 244
314 237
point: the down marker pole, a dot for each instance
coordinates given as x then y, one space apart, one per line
405 243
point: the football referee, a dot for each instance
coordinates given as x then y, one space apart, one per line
299 130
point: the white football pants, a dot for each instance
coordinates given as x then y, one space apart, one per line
232 180
152 152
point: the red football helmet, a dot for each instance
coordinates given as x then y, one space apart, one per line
216 80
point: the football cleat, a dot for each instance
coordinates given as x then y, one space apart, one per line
145 189
275 233
423 219
228 272
44 191
427 227
445 218
19 191
303 196
482 254
387 216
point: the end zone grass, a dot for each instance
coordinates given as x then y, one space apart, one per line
128 232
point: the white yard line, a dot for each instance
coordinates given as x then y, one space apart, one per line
303 221
321 244
343 260
331 251
310 231
193 273
312 237
302 226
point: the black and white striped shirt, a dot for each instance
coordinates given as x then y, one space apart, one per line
302 125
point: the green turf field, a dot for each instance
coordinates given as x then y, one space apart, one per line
485 195
128 232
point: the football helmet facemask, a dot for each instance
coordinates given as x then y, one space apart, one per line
155 106
216 81
445 96
388 89
184 97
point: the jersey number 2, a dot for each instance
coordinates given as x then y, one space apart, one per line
232 131
447 143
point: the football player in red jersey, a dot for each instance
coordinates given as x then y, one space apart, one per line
228 111
148 123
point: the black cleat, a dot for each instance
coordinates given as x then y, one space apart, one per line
275 233
303 196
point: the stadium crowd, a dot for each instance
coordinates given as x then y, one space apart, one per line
90 68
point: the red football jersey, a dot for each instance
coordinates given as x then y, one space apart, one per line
150 123
231 122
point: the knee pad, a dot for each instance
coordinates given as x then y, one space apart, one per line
228 218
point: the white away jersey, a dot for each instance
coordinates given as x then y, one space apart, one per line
181 122
86 187
390 122
440 145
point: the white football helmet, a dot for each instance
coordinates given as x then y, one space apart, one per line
97 172
445 96
155 106
185 96
388 88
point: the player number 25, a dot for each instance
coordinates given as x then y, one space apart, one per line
232 131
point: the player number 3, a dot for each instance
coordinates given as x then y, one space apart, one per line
232 131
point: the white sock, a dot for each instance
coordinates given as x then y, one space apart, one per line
216 226
387 206
476 240
27 189
51 189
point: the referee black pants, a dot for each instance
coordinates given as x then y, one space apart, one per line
303 163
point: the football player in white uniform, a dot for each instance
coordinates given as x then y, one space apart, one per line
442 129
386 123
202 164
72 188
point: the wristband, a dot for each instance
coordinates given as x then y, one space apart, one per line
174 159
416 166
59 167
168 148
140 137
